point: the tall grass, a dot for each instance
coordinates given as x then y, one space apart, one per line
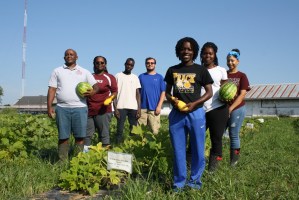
268 169
20 179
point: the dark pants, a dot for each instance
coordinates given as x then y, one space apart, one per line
101 123
216 121
123 113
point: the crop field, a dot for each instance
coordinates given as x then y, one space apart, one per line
268 167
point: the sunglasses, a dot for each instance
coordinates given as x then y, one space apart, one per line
150 63
98 63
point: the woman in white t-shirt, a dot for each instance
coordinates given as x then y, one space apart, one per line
216 111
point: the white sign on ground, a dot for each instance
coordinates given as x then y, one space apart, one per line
120 161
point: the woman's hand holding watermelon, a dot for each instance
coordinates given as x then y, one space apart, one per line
89 93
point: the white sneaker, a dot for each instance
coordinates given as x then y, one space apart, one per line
85 149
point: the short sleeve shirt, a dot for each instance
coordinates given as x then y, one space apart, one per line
152 85
187 81
218 74
127 86
65 81
241 81
107 85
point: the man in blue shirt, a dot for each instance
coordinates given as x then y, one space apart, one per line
152 95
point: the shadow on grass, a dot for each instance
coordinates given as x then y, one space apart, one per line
50 155
295 124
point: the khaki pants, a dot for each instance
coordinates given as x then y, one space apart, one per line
149 118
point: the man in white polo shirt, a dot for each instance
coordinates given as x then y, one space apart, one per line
71 110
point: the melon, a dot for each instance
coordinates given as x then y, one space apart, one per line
227 91
83 87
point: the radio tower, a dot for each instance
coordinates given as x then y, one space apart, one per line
24 50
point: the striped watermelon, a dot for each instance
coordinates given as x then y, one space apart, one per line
227 91
82 87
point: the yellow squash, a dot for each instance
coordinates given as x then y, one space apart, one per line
108 100
180 104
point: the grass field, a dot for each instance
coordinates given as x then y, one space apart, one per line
268 169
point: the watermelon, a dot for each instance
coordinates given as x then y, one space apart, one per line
227 91
82 87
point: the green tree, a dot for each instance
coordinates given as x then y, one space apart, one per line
1 94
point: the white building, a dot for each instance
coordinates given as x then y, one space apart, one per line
273 100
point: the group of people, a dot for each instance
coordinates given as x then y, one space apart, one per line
198 86
141 98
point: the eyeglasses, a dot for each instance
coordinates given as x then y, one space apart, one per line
102 63
150 63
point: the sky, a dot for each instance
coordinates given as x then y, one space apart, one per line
265 31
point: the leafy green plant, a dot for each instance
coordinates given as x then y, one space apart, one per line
23 135
88 172
10 111
152 152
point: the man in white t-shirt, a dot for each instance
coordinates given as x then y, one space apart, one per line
71 109
127 102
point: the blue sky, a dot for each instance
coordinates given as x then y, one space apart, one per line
265 31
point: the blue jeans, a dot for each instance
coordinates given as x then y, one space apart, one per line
180 125
234 126
71 120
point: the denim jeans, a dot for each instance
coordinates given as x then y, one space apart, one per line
71 120
234 126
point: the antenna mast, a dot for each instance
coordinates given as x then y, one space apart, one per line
24 49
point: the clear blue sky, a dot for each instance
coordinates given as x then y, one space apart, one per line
265 31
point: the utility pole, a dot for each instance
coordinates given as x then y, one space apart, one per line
24 50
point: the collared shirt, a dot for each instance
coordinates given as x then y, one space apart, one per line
65 81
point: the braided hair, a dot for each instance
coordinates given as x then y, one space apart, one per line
210 45
94 62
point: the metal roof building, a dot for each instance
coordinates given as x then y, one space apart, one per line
277 91
273 100
32 104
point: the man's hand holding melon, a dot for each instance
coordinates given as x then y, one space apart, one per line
84 89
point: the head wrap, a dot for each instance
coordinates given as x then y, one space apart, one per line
234 53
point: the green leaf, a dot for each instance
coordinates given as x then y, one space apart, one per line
3 154
113 176
5 141
137 130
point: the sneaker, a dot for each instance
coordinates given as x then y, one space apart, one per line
86 149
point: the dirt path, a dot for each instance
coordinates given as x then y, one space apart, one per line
57 194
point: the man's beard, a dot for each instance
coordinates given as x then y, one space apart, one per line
150 70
